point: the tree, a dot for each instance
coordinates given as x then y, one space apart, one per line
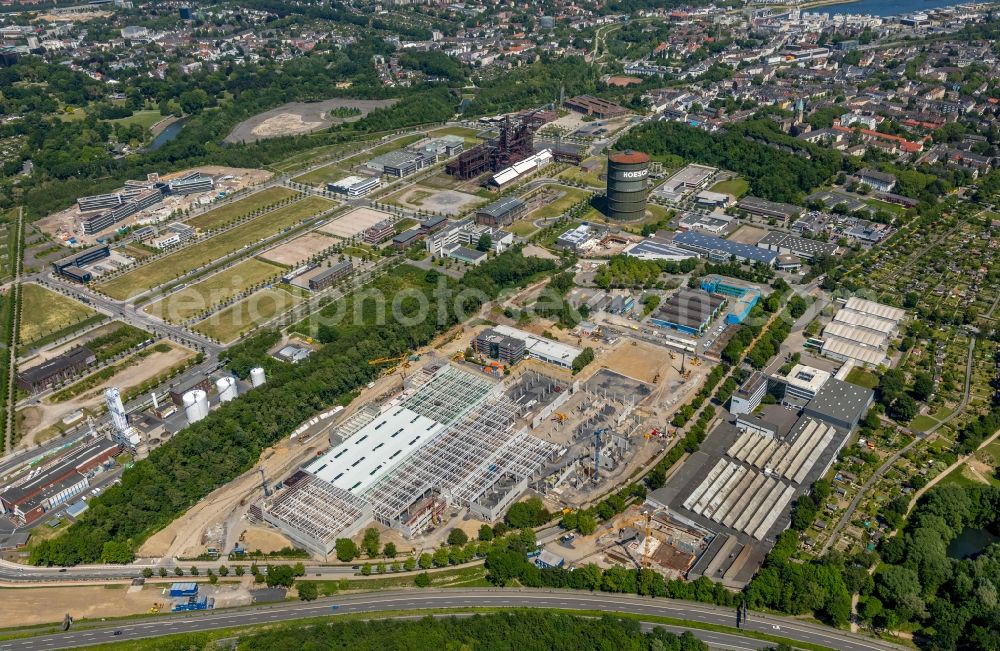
163 572
299 569
485 243
586 524
923 386
441 557
485 533
147 572
240 571
223 570
178 571
370 543
410 564
280 575
193 571
426 561
212 578
307 590
347 551
526 514
457 537
389 551
366 569
422 580
903 409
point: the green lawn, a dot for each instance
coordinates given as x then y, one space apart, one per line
224 214
195 298
862 378
237 319
922 423
580 176
189 258
958 477
44 312
522 228
555 208
465 132
891 208
145 119
736 187
319 177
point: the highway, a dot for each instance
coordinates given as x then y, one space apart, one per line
159 625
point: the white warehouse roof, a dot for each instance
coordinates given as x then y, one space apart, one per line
856 335
872 308
862 320
375 449
839 348
545 349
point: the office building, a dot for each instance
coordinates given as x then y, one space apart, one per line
331 275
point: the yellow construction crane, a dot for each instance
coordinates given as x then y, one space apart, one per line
647 516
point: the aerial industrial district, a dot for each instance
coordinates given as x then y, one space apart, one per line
454 434
659 375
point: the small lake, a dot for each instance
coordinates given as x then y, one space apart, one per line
171 131
971 543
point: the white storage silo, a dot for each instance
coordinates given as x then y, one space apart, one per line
195 405
257 376
226 387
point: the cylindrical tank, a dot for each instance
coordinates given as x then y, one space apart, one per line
195 405
226 386
257 376
627 173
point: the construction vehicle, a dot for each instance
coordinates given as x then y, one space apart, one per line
561 417
647 517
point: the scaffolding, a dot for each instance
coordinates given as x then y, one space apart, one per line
460 463
315 512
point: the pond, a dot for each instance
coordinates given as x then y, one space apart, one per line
171 131
971 543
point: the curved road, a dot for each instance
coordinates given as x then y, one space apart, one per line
156 626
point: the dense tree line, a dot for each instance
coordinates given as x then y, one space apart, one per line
520 629
777 166
229 441
627 271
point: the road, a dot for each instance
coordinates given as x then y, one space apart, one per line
894 457
155 626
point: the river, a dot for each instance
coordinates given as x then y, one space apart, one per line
170 132
884 7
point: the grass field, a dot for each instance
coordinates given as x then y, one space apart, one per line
322 175
579 175
146 119
44 312
922 423
227 213
862 378
555 208
736 187
191 300
465 132
167 268
891 208
522 228
257 308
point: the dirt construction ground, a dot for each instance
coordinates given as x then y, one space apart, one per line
748 234
302 248
642 361
300 117
30 606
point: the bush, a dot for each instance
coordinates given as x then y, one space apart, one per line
307 591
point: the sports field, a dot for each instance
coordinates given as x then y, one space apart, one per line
227 213
195 298
191 257
44 312
257 308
